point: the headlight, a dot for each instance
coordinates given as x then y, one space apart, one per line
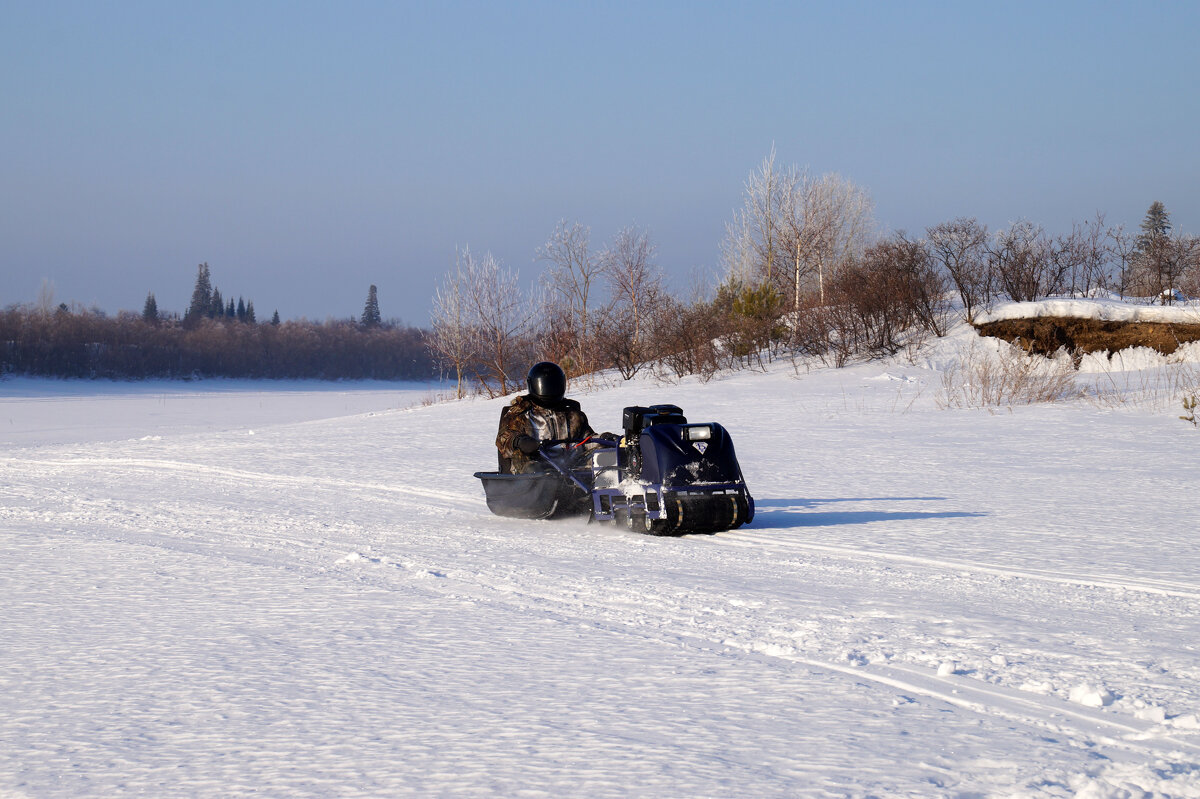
697 433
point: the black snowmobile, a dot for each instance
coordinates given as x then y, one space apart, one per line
665 477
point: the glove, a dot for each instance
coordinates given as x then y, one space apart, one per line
608 437
527 444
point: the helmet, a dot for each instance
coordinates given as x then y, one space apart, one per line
547 383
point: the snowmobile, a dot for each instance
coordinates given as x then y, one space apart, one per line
664 477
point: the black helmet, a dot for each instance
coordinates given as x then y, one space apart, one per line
547 383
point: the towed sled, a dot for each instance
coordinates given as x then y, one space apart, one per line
664 477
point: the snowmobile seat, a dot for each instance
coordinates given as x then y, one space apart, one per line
636 418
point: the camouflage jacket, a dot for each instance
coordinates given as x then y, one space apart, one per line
523 417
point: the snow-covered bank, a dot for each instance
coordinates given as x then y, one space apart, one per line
1100 309
929 603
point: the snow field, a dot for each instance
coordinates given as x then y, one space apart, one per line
929 603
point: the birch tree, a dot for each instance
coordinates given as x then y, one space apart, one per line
503 316
455 334
573 269
635 292
792 227
752 238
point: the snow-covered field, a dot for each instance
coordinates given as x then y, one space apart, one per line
232 590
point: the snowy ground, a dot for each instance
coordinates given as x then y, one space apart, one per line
299 592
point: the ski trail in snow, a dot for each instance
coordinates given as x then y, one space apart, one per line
238 474
650 616
759 539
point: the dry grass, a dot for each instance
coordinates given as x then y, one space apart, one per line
1009 376
1162 388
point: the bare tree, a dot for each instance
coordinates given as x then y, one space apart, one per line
1077 260
1161 263
573 270
802 231
754 233
923 285
455 335
1122 248
503 316
635 286
1091 255
961 248
843 214
1020 258
1190 276
45 298
792 227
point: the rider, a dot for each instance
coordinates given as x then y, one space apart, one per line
544 414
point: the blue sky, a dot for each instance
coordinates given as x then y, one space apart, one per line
308 150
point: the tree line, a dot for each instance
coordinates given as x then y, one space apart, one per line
213 339
805 274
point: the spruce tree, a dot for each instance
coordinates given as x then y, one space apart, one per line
150 310
1156 225
275 318
241 310
201 295
371 317
1158 265
216 308
250 313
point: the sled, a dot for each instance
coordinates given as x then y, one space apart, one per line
664 477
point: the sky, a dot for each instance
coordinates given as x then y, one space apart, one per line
307 150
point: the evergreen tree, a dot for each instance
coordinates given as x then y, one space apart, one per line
201 295
150 309
371 317
250 313
1157 258
275 318
231 310
1155 226
241 310
216 308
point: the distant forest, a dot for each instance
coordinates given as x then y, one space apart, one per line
213 339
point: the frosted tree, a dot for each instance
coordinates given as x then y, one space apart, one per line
751 246
825 224
573 269
635 285
503 316
792 228
455 335
634 279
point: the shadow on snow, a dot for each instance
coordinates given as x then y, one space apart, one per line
785 513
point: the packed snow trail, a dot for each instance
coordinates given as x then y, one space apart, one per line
929 603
